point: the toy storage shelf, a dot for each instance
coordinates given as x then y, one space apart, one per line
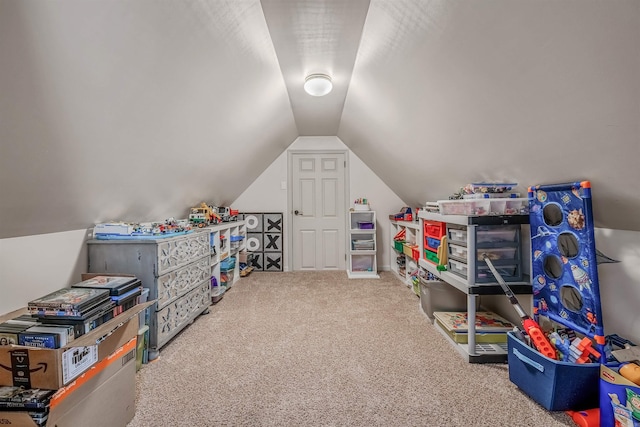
472 351
222 248
401 263
362 245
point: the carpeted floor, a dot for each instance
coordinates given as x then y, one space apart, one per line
318 349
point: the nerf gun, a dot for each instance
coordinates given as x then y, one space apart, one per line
531 327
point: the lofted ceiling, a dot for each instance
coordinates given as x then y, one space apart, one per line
113 109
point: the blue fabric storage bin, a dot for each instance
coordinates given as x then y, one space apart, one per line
555 385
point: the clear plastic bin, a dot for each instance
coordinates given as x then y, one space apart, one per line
491 234
458 251
362 262
436 295
457 235
459 268
495 254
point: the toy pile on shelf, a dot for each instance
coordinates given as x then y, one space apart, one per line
199 217
405 214
206 214
141 230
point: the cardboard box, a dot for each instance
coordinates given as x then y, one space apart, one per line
612 383
103 396
556 385
54 368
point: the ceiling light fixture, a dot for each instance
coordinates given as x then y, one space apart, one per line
318 84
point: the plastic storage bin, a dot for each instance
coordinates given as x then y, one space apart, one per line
435 229
431 256
226 278
228 263
464 207
496 234
362 244
432 243
458 251
495 254
398 245
459 268
509 272
362 262
555 385
436 295
235 241
482 207
457 234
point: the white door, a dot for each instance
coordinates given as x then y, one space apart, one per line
318 208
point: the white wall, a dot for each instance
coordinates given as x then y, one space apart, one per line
620 283
33 266
266 193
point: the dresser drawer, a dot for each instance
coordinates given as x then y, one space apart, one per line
172 318
178 252
178 282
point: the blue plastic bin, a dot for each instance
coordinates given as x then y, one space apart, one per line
555 385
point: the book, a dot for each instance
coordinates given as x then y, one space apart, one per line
83 325
486 321
20 398
66 332
116 285
8 338
71 300
39 339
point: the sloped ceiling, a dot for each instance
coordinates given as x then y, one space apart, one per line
133 110
446 93
136 110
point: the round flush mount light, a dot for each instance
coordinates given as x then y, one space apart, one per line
318 84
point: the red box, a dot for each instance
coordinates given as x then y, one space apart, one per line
435 229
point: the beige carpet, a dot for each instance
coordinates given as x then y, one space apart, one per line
318 349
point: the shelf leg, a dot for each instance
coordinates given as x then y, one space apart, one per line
471 320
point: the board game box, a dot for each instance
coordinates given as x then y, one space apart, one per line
486 322
463 337
68 301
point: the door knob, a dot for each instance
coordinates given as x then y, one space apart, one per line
297 212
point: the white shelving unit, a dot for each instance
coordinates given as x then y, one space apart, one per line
401 263
475 353
222 248
362 245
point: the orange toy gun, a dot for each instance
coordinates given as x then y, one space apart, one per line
531 327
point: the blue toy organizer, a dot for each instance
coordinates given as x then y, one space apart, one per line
564 269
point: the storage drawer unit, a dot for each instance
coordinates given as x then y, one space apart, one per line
501 243
175 269
434 231
477 235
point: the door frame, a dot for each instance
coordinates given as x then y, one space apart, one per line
289 214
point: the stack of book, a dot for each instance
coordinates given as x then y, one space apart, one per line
124 291
10 329
33 401
80 308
